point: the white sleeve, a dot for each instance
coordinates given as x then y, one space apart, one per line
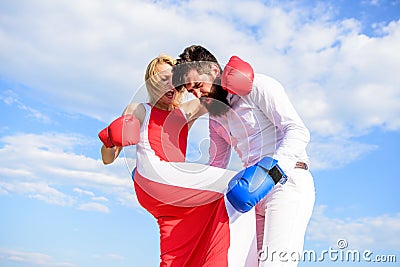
269 95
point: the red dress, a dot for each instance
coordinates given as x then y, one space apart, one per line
189 235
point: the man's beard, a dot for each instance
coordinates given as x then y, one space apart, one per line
216 102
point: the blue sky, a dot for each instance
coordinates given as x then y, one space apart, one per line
68 68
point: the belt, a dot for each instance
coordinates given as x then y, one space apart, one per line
276 174
301 165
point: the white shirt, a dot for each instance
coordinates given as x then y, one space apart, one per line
261 123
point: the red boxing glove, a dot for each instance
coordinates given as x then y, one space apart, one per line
237 77
124 131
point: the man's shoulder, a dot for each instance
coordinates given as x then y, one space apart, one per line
265 83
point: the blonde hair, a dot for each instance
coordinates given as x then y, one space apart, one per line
156 88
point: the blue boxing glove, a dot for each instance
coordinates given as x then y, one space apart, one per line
252 184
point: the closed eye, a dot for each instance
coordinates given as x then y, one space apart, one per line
197 85
191 87
165 78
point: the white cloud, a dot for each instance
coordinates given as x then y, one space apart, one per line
371 2
44 167
83 192
94 206
336 153
379 232
39 259
110 256
90 194
10 98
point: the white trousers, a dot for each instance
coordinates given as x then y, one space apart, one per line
282 218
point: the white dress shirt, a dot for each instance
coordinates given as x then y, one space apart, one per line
261 123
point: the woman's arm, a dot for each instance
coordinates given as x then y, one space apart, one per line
193 109
109 154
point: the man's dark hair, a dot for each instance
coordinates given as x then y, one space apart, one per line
197 53
193 57
199 58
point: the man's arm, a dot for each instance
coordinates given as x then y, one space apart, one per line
271 98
